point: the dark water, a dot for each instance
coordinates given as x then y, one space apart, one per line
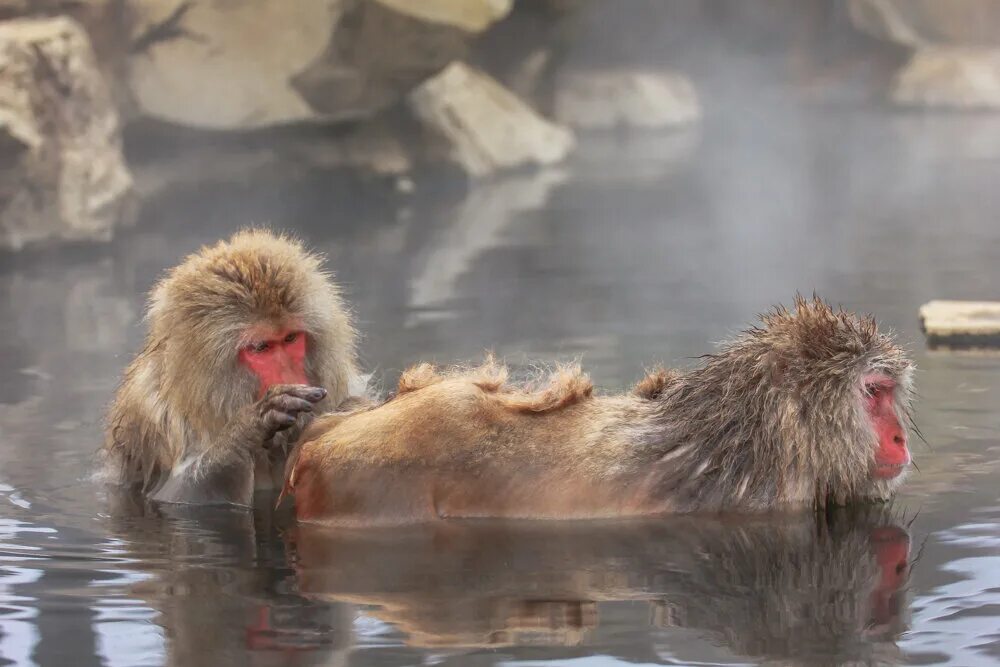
644 249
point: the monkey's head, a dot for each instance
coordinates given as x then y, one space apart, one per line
244 314
844 391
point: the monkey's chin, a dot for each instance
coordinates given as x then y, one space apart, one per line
883 488
888 471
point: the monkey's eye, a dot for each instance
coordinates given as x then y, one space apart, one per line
260 347
873 389
290 338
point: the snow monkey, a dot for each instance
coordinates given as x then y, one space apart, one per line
807 409
247 338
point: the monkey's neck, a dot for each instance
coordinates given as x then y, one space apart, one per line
710 444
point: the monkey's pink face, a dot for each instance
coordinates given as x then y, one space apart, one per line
276 357
892 455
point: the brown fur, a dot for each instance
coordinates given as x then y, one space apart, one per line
185 386
775 418
564 386
655 383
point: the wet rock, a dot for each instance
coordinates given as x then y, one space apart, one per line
62 175
956 59
599 99
468 15
959 78
225 65
485 126
961 323
919 23
218 64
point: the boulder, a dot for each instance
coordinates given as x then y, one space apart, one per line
959 78
961 323
918 23
62 174
218 64
956 59
601 99
468 15
486 127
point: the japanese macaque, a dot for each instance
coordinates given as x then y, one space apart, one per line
797 588
809 409
247 338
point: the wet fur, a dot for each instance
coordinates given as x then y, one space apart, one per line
185 386
775 418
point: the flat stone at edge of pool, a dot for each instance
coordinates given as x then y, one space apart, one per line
961 323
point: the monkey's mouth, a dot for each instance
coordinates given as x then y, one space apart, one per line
888 470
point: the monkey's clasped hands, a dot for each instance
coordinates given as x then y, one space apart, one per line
282 405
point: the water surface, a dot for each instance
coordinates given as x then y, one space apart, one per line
646 248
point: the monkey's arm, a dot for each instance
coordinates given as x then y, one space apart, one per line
222 471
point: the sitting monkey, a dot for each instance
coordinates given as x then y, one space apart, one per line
247 338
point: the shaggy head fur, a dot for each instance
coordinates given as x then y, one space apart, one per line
186 384
777 415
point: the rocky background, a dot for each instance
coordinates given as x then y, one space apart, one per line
107 104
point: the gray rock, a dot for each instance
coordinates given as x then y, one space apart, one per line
950 77
62 174
961 323
218 64
468 15
225 65
956 59
918 23
486 127
597 99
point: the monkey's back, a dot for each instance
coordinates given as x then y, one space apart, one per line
459 448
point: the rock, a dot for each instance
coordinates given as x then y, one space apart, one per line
218 64
960 78
956 63
918 23
62 174
225 65
611 98
468 15
961 323
486 127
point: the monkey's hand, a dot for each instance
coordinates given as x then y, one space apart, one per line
282 406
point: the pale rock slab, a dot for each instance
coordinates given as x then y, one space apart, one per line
961 323
950 77
487 128
230 65
62 174
956 59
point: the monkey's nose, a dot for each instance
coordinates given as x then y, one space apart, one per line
899 440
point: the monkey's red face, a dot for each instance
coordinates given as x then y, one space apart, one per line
892 455
276 357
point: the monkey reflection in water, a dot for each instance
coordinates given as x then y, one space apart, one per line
219 583
813 587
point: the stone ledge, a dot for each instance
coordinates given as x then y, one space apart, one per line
961 323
